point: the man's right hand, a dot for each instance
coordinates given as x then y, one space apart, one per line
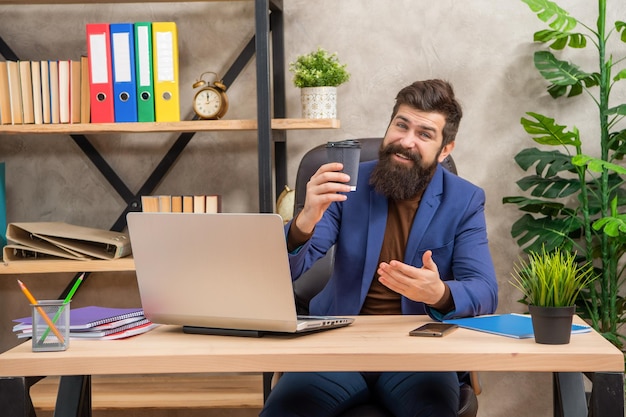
323 188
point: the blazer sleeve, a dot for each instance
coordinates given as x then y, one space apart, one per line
470 273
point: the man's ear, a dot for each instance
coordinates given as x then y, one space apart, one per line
446 151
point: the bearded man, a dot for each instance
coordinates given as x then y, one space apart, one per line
412 239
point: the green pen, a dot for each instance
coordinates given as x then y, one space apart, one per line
68 298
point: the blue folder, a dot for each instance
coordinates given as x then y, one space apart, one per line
511 325
123 69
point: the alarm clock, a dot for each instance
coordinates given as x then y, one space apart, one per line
210 101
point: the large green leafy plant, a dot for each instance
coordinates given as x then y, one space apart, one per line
573 200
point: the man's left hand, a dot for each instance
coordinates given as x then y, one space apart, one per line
417 284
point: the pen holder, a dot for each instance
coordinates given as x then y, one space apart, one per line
51 326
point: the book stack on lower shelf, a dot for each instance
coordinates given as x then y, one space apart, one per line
98 323
182 203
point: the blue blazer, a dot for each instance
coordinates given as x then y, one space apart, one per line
450 222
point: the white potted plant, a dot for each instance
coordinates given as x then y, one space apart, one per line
318 74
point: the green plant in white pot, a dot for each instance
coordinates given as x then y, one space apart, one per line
318 74
550 283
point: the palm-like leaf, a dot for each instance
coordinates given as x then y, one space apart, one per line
596 164
534 205
549 163
561 39
620 27
545 131
617 143
533 233
551 13
612 226
562 75
552 187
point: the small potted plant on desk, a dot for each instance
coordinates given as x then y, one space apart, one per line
550 283
318 74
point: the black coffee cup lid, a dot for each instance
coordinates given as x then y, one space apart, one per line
350 143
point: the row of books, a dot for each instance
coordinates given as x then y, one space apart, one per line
44 92
96 322
182 203
133 72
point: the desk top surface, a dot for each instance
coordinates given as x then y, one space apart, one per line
371 343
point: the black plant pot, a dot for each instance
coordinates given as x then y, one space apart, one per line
552 325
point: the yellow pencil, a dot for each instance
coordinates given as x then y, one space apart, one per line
41 311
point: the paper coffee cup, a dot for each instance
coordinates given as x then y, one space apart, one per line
348 152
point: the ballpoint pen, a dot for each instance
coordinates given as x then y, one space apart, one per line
68 298
41 311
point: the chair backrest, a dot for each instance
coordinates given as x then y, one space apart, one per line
312 281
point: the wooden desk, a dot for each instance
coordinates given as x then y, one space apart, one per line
372 343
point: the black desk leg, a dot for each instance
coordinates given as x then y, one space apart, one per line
74 397
15 398
569 395
607 395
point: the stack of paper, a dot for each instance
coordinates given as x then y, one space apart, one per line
94 322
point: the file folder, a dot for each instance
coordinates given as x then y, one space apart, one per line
123 70
100 77
143 66
165 67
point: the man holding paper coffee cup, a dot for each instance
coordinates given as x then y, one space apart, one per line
410 239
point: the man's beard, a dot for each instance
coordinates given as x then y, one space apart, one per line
396 181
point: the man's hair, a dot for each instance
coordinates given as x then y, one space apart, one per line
433 96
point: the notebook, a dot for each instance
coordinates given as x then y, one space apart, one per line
91 317
220 273
511 325
96 322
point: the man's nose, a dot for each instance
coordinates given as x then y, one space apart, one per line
408 141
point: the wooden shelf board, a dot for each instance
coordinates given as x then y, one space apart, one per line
61 265
183 126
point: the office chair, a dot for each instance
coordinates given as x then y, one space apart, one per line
313 280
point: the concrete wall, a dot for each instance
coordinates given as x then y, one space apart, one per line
483 47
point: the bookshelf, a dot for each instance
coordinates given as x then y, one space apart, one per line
270 124
267 45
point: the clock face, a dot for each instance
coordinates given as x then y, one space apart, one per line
207 103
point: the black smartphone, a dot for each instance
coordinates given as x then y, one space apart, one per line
433 329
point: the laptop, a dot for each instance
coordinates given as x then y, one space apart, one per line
220 273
